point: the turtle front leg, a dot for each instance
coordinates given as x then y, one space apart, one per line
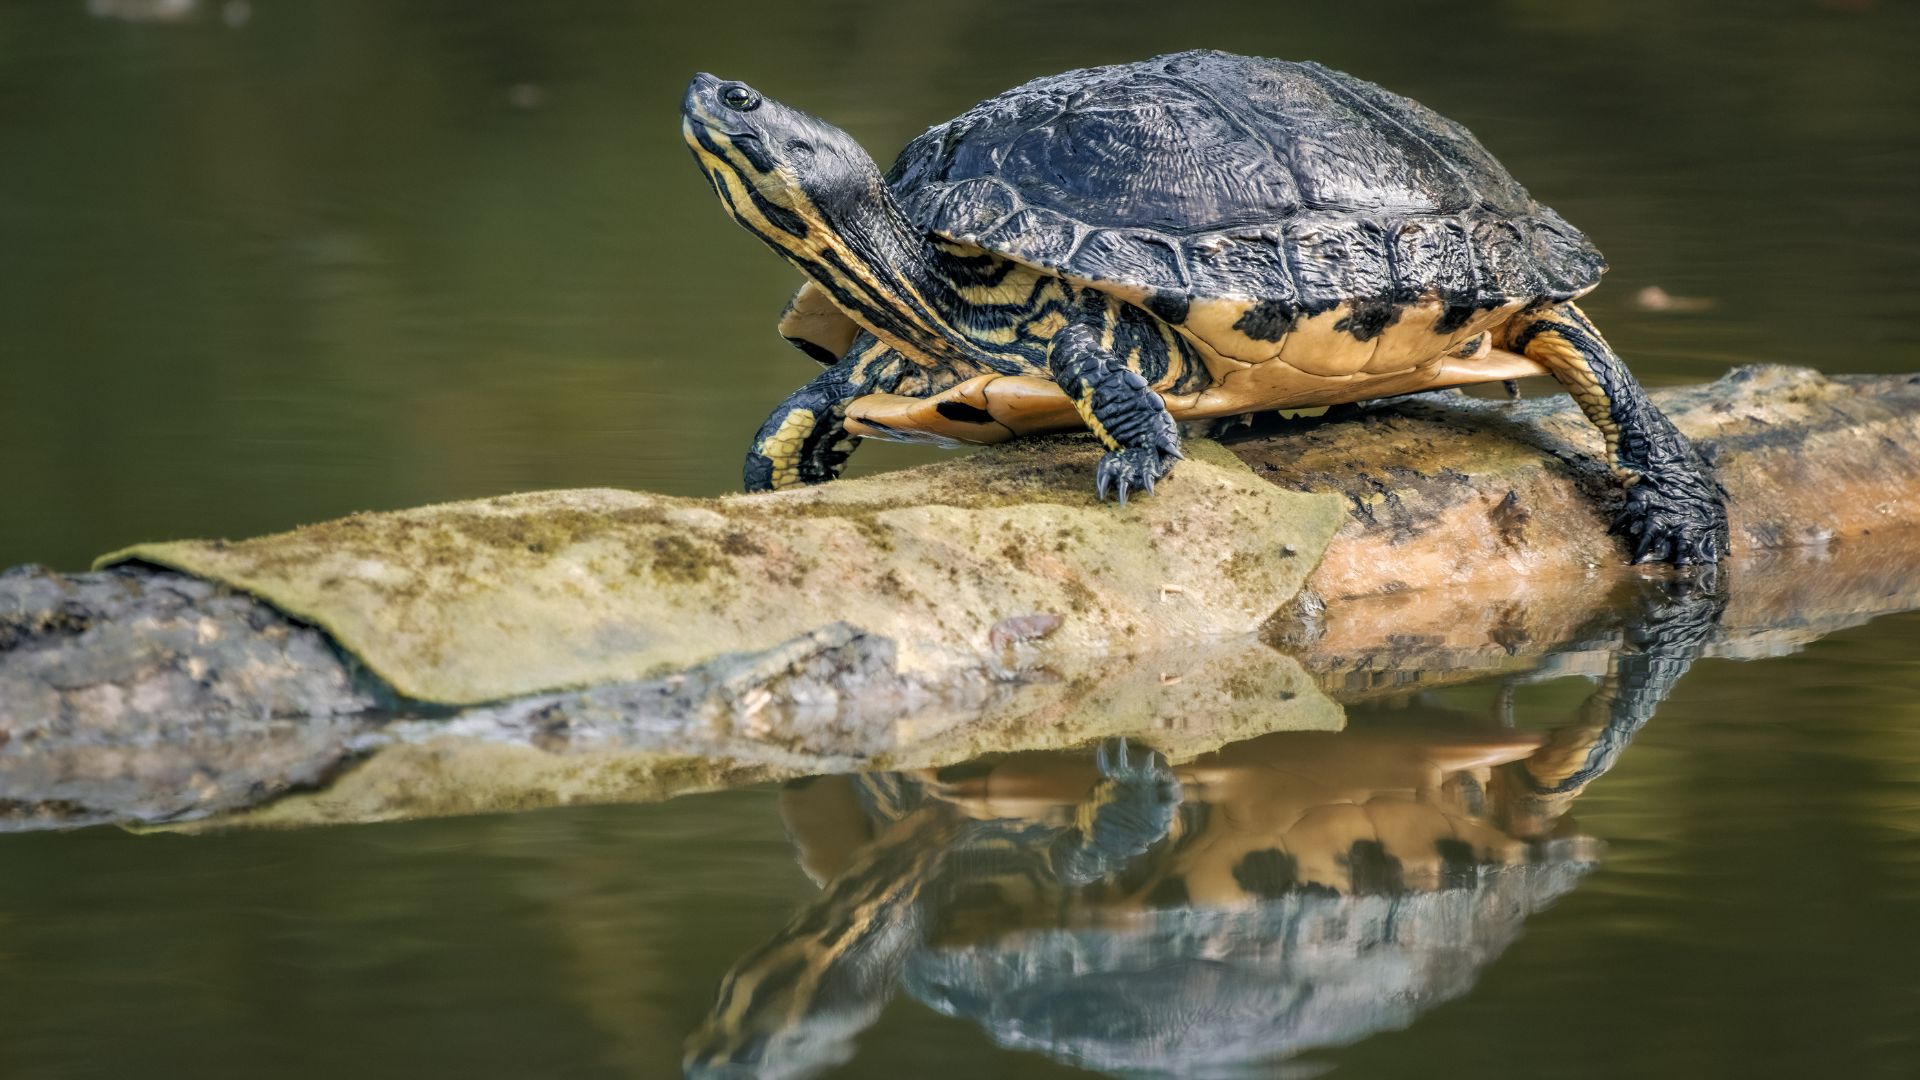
1117 405
1675 512
1130 809
805 440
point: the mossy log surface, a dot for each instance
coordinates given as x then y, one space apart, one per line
477 601
927 616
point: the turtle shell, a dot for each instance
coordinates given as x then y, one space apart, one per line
1205 175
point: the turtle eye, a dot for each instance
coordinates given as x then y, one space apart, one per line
739 98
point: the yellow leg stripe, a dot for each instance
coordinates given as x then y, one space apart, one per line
1084 406
1570 368
783 447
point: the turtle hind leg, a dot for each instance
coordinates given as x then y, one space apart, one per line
1115 402
1674 512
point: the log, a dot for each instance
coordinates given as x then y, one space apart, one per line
920 617
1486 498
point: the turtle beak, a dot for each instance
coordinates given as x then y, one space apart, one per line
700 99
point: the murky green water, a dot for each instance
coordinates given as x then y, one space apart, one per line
357 255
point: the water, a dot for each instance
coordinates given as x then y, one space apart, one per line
354 255
1750 912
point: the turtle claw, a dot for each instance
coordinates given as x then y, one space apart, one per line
1674 517
1136 468
1130 809
1116 761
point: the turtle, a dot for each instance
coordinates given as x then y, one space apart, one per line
1132 247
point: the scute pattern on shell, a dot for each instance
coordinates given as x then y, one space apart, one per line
1204 174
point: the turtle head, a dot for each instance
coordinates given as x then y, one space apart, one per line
786 176
809 192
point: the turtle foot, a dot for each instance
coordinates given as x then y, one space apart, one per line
1129 810
1675 515
1136 468
1679 617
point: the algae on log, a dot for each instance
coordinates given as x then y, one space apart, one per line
478 601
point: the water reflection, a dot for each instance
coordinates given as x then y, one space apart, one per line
1220 915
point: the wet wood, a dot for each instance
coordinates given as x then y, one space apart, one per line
1489 499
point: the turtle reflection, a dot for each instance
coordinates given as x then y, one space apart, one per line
1294 891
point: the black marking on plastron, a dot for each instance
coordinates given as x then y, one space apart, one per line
818 352
1267 874
1472 345
1369 320
1454 318
963 412
1458 868
1268 320
1374 872
1169 307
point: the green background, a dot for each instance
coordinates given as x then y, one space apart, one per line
323 262
362 254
